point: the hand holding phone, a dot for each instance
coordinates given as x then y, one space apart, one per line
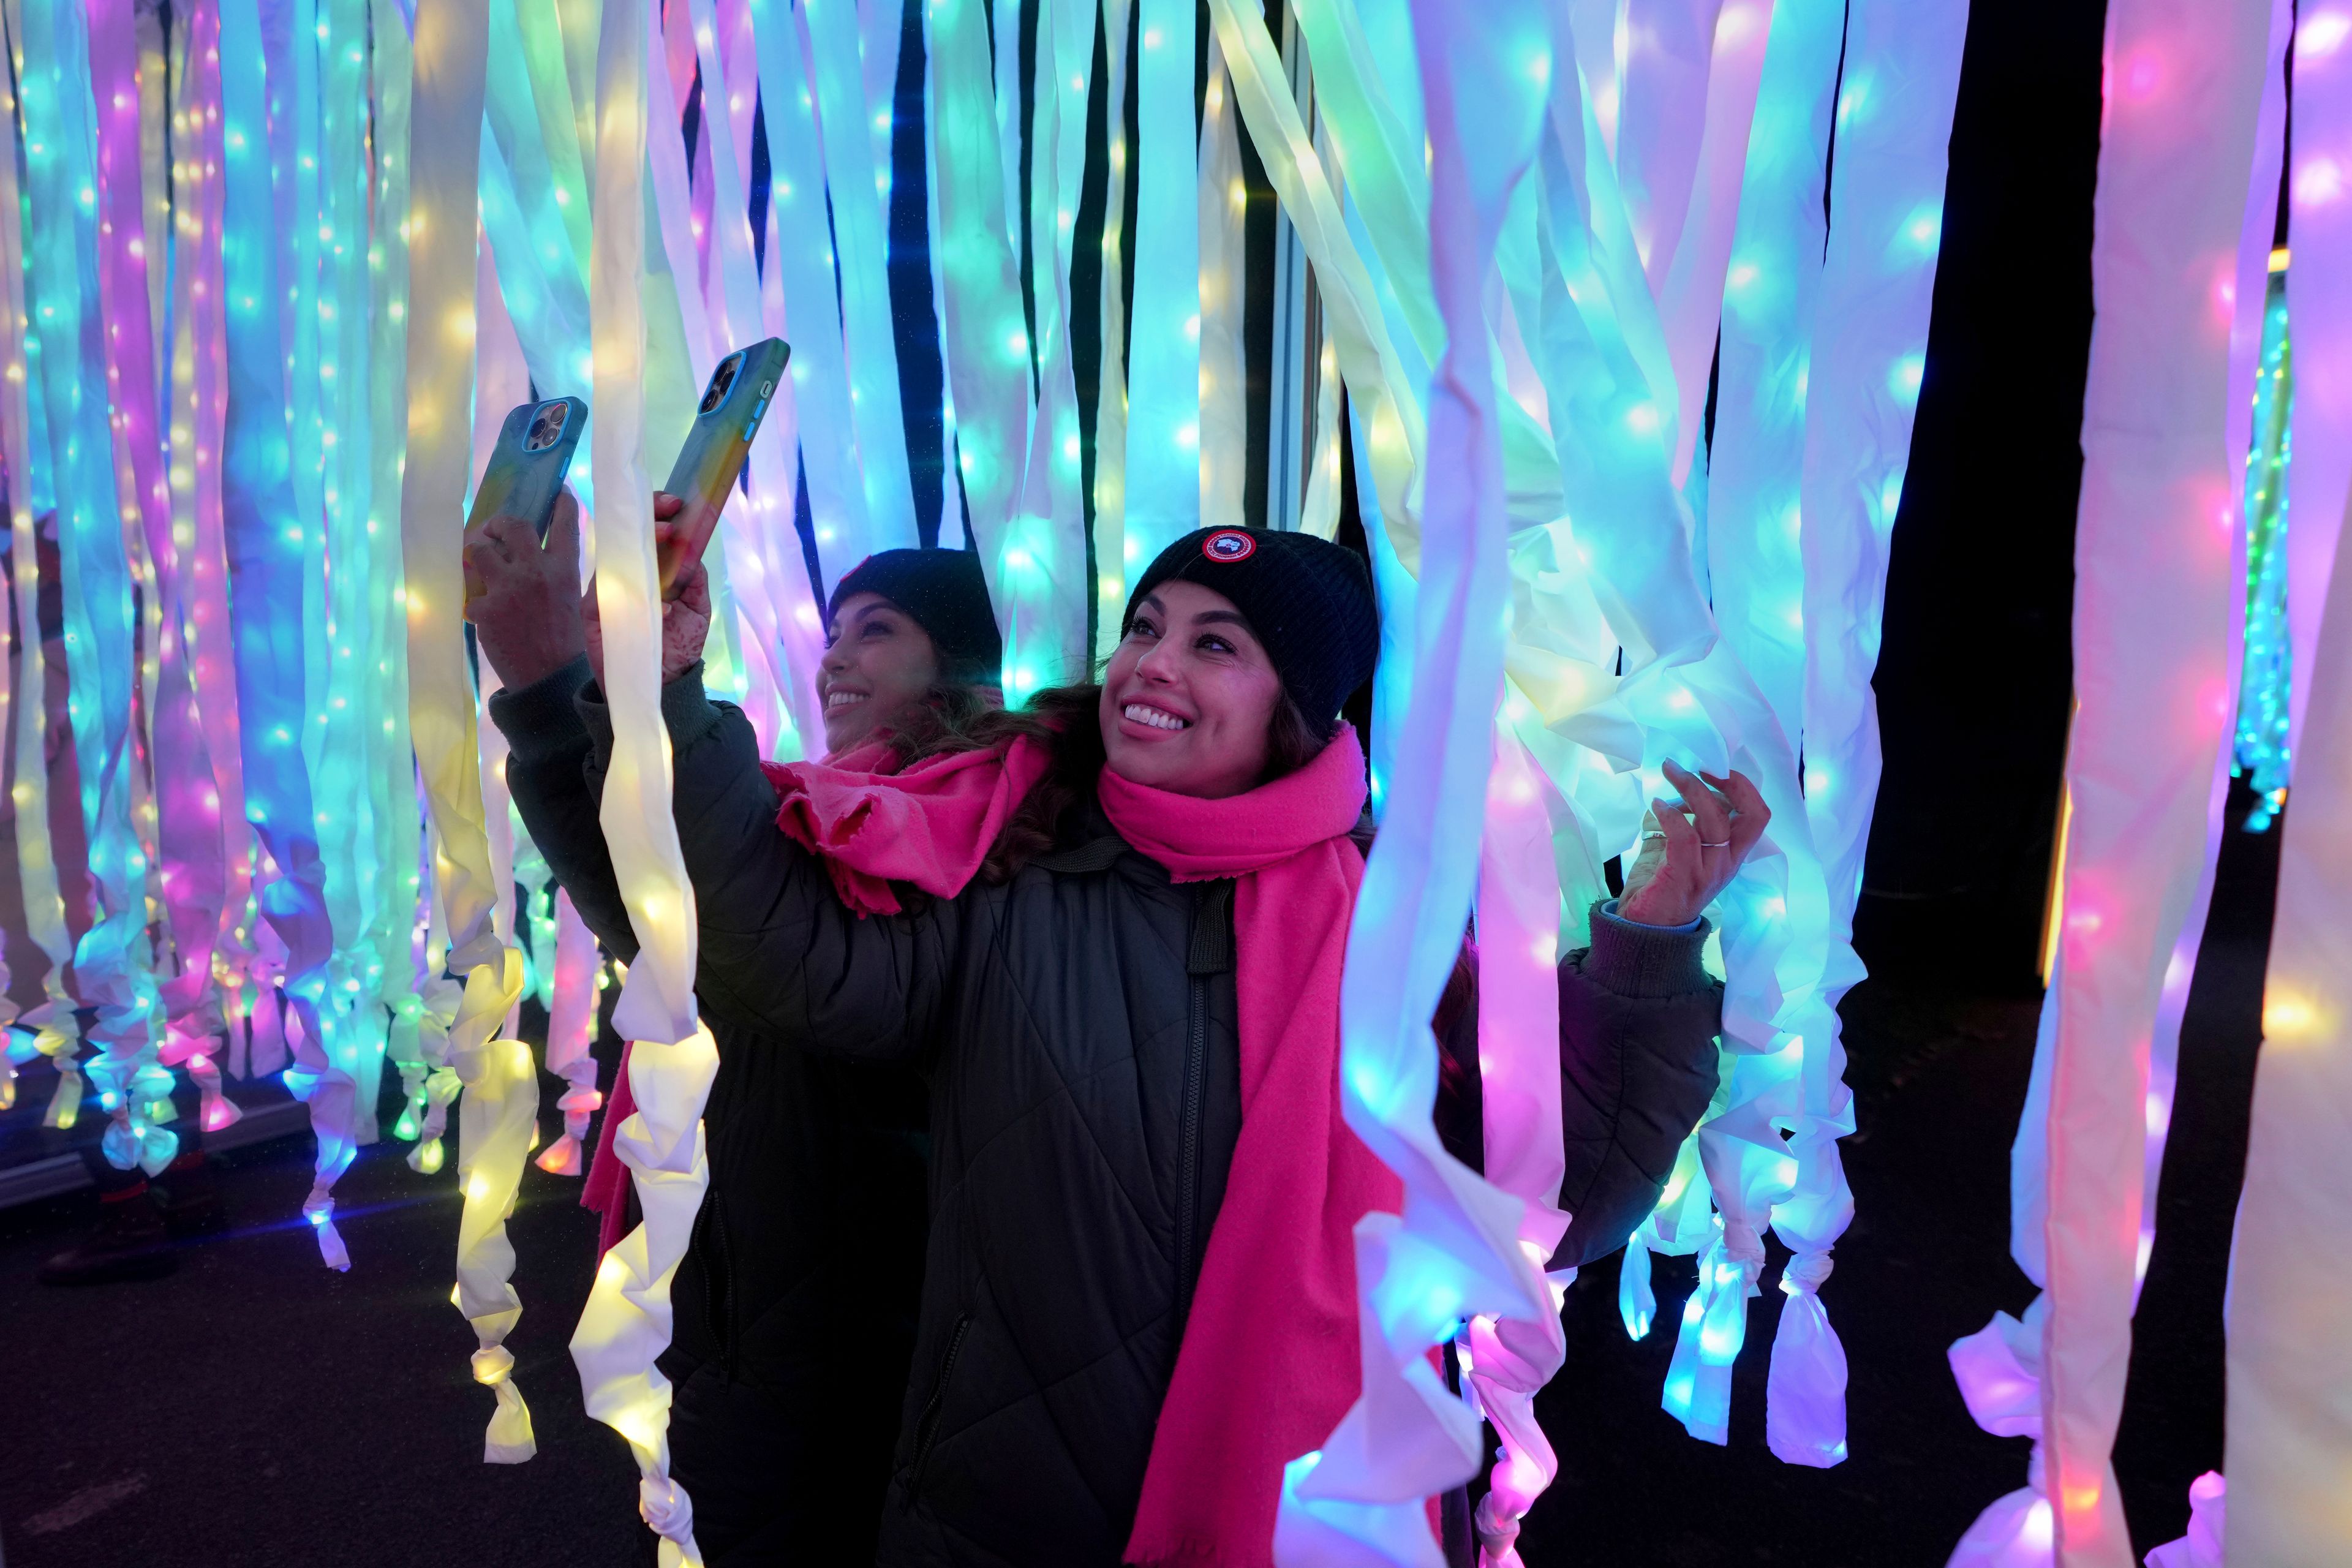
527 466
711 462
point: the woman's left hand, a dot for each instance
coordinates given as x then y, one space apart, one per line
1687 860
686 614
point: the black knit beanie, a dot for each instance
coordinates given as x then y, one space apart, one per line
1308 601
944 593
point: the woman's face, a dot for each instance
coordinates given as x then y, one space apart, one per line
877 663
1189 699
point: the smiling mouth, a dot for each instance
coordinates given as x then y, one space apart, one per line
842 700
1155 717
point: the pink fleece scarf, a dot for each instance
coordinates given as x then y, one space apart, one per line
872 825
1269 1362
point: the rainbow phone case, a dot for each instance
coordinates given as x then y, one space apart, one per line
525 473
715 447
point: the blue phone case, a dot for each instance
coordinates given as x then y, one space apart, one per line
525 473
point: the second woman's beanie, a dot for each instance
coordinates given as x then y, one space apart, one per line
944 593
1308 601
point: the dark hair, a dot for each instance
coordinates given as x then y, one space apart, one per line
1065 718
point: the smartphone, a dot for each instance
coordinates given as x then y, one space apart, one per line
717 446
525 473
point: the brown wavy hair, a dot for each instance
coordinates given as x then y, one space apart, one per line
1066 720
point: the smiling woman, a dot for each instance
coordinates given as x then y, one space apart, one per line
906 628
1107 929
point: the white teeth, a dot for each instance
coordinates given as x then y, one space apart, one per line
843 698
1157 720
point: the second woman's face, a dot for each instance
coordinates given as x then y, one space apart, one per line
877 663
1188 702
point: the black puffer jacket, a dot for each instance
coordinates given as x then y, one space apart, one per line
1078 1024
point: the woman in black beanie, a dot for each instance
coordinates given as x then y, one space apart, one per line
810 1241
1138 1299
905 627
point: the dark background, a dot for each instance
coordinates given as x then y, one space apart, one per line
255 1408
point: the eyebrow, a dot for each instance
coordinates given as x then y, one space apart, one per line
1206 617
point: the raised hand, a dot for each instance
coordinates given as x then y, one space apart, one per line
686 614
523 597
1691 851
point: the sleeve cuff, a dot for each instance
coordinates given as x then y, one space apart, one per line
686 709
1609 908
1635 960
541 719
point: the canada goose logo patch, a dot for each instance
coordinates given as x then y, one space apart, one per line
1229 544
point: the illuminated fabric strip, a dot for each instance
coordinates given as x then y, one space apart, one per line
189 833
122 244
800 258
571 1030
350 751
525 215
392 785
1664 80
1690 285
1363 1496
988 361
1110 394
151 80
626 1323
2261 742
1511 1360
1756 460
765 566
1164 406
1376 378
2289 1439
1690 698
15 491
2152 581
1042 559
1901 78
860 242
539 26
58 1035
1221 200
445 145
950 521
198 409
288 29
679 361
112 959
2319 302
267 549
1364 110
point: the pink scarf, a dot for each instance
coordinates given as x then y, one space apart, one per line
1269 1362
872 826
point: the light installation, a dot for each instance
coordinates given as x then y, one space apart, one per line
311 252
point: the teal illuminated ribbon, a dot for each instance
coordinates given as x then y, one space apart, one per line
268 552
392 781
1163 404
800 259
110 963
862 267
24 442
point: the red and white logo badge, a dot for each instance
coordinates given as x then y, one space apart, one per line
1229 544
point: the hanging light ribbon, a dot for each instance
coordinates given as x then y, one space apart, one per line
672 1060
58 1036
1406 1439
445 146
112 959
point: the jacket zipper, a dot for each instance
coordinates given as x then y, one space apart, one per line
1187 1148
927 1427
